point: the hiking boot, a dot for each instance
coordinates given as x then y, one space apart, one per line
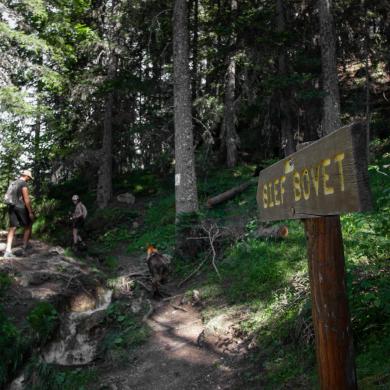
27 247
9 255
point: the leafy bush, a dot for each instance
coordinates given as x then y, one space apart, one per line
12 348
137 182
5 283
126 331
43 376
43 320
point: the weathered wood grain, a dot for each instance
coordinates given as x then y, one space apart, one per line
327 177
331 319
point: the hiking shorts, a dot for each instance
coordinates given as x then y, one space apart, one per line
78 223
18 217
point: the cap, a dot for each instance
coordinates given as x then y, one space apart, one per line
27 173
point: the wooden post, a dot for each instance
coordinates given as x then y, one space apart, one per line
331 319
324 179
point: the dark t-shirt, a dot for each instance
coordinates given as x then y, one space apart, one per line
20 185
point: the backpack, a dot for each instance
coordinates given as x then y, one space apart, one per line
84 210
11 197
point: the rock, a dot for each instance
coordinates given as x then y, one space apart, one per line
57 250
82 302
136 305
195 297
2 246
135 225
126 197
18 383
219 325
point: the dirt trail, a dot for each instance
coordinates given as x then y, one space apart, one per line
172 358
176 355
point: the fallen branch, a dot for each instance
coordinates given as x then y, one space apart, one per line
179 308
172 297
143 285
137 274
192 273
213 233
229 194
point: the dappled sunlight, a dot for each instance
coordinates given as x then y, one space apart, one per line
174 357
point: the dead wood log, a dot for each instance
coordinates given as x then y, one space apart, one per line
227 195
276 231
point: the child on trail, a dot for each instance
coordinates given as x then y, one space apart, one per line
78 219
19 210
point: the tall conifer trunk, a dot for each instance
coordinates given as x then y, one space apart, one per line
195 50
229 136
185 178
104 188
331 114
286 121
37 155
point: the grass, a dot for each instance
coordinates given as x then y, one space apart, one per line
158 227
268 281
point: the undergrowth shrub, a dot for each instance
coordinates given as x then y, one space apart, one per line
5 283
140 183
43 376
12 345
43 320
12 348
126 331
159 225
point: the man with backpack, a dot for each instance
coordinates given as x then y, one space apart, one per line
19 210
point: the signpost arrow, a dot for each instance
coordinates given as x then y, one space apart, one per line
317 183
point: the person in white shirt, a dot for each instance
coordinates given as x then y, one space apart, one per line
78 219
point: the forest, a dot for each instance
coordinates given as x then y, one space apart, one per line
160 115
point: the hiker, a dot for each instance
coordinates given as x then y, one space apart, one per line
78 219
20 211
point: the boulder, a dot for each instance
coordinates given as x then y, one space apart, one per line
126 197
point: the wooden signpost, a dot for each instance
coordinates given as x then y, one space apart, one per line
316 184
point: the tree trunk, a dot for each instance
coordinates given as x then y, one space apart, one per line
286 121
331 115
185 178
104 187
195 51
37 156
229 136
